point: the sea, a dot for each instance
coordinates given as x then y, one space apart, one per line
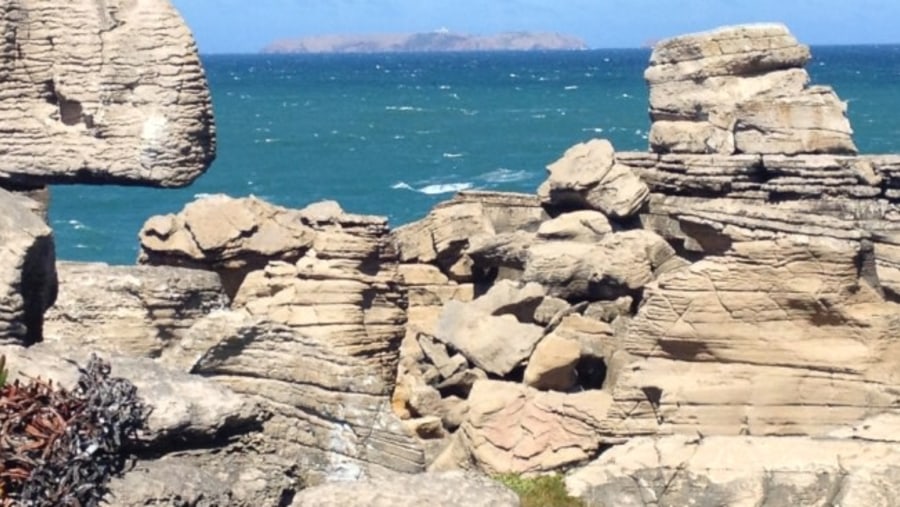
394 134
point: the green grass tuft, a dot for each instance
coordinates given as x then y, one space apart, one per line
542 491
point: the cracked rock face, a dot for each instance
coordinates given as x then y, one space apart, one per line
99 91
741 89
741 472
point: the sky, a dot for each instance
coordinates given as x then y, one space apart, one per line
245 26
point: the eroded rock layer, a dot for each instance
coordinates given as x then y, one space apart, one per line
96 91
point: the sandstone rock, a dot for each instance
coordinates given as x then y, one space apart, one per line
461 382
741 89
170 482
737 50
740 471
812 122
495 344
511 428
426 428
99 92
28 283
137 311
187 408
552 365
769 323
587 176
549 308
453 412
610 268
450 489
584 226
445 233
424 401
221 233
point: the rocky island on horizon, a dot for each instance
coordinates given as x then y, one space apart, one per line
437 41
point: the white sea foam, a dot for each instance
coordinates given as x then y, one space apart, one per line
444 87
454 155
596 130
403 108
445 188
571 87
504 175
435 189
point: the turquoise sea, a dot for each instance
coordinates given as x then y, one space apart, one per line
395 134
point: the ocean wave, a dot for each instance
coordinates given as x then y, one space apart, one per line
403 108
78 226
571 87
434 189
504 175
454 155
596 130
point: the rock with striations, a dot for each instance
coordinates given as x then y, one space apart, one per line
101 92
741 89
512 428
588 177
137 311
448 489
316 335
28 282
741 471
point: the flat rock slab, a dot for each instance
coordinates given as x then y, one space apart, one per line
449 489
98 91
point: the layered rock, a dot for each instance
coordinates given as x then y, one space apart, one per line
315 332
137 311
101 92
28 283
741 471
741 90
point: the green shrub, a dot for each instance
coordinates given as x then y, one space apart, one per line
541 491
4 372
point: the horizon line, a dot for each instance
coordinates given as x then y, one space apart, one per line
634 48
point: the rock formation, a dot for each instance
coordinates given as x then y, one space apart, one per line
741 90
734 286
639 323
28 282
314 329
101 92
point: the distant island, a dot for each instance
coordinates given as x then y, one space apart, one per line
438 41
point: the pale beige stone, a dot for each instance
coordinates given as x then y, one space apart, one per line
102 92
552 364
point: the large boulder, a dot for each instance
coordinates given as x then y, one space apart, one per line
512 428
28 283
102 92
588 177
137 311
741 89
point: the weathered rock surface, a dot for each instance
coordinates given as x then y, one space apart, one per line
496 331
741 90
443 236
741 471
786 326
189 411
588 177
316 335
28 283
449 489
231 236
99 92
136 311
512 428
552 365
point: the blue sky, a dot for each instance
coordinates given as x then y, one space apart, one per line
241 26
